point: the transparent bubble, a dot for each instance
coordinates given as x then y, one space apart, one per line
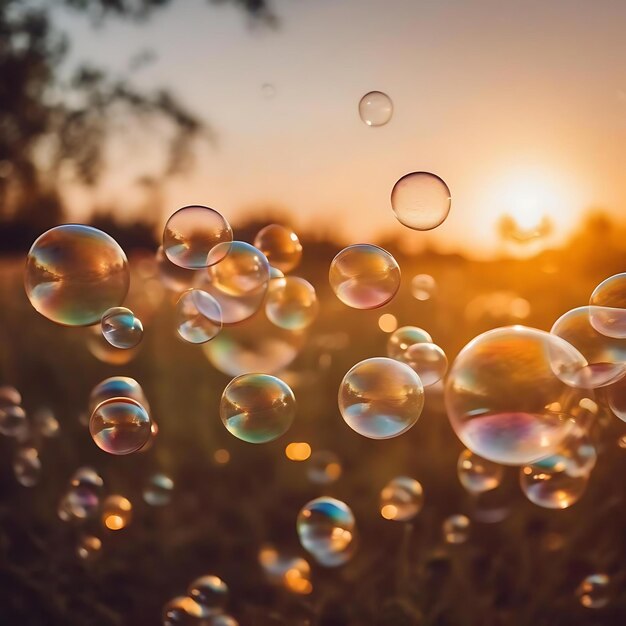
13 421
158 491
616 398
45 423
238 282
323 467
291 303
116 387
120 426
185 611
421 200
609 318
594 591
210 592
27 466
192 237
413 346
280 245
121 328
551 486
338 558
364 276
381 398
576 455
198 316
401 499
403 338
456 529
88 547
292 572
476 474
102 350
257 407
74 273
117 512
605 356
423 287
504 399
82 499
375 108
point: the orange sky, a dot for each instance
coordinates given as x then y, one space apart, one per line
519 106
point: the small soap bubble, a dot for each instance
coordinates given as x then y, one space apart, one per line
82 499
403 338
381 398
185 611
323 467
291 303
198 316
478 475
364 276
423 287
45 423
257 408
375 108
13 421
280 245
102 350
116 387
428 361
594 591
121 328
609 318
27 466
292 572
88 547
74 273
192 237
421 200
117 512
120 426
210 592
401 499
550 485
456 529
158 491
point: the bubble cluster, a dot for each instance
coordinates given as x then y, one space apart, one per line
120 426
476 474
291 303
375 108
198 316
280 245
121 328
608 307
421 200
401 499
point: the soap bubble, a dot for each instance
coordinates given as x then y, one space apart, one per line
276 274
403 338
102 350
26 466
198 316
117 512
210 592
616 397
74 273
477 474
291 303
185 611
13 421
421 200
257 407
280 245
594 591
364 276
293 572
605 356
158 491
88 547
504 399
82 499
423 287
116 387
576 455
427 360
172 276
323 467
121 328
375 108
456 529
548 484
381 398
192 237
608 307
401 499
120 426
45 423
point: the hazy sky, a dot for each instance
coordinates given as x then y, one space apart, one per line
518 106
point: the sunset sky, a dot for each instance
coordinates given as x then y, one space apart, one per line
519 106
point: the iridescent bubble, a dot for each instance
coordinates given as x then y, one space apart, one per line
456 529
292 572
323 467
381 398
185 611
13 421
117 512
192 237
594 591
423 287
210 592
338 558
257 407
401 499
102 350
421 200
504 398
45 423
120 426
27 466
121 328
609 318
82 499
74 273
375 108
476 474
364 276
551 486
158 491
88 547
576 455
154 432
198 316
616 397
116 387
605 356
403 338
428 361
280 245
291 303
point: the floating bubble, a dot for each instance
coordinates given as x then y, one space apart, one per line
13 421
116 387
292 572
504 398
27 466
82 499
291 303
423 287
428 361
576 455
401 499
381 398
257 407
158 491
323 467
403 338
280 245
121 328
102 350
609 318
421 200
616 397
336 559
192 237
117 512
364 276
594 591
375 108
88 547
551 486
74 273
456 529
173 277
45 423
185 611
198 316
120 426
210 592
476 474
605 356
